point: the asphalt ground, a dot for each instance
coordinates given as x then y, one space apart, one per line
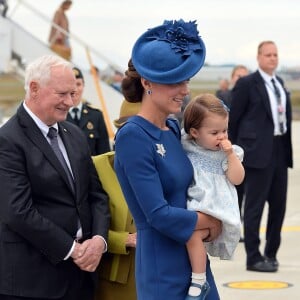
235 283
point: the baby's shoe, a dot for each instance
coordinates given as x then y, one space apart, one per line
204 291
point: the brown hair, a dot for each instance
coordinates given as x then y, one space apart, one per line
197 110
132 88
66 4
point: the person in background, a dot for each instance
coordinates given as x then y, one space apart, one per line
149 160
54 213
127 110
117 81
4 5
223 93
237 72
117 280
89 119
179 116
260 122
59 40
217 168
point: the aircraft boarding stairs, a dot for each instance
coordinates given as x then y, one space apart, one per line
19 47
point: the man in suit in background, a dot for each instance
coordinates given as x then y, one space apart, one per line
54 214
89 119
223 93
260 122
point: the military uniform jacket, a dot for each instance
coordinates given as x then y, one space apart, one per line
92 124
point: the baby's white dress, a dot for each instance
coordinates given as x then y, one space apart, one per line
212 193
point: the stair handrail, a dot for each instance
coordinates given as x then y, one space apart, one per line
100 96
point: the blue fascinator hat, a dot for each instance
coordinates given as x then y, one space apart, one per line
170 53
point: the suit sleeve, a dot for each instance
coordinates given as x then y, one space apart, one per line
238 107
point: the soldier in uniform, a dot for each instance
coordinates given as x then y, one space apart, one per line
89 119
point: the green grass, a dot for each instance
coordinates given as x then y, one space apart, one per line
295 96
11 94
10 86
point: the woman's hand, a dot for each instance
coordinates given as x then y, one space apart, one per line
131 240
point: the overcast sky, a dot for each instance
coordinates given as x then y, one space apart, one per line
231 29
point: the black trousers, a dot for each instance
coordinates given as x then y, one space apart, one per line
240 189
82 287
265 185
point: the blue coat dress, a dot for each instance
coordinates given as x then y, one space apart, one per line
154 173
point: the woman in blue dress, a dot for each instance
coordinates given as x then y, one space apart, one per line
151 165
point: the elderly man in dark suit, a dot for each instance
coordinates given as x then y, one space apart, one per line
54 214
89 119
260 122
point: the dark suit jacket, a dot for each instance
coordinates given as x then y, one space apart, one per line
38 210
93 125
251 123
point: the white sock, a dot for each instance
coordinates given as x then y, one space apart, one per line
198 278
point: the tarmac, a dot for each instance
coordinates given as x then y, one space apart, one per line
235 283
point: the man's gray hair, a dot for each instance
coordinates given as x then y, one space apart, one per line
40 69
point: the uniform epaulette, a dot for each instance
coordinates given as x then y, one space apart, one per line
89 105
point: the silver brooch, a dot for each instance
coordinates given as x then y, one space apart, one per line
161 149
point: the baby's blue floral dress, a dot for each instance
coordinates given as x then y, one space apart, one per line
212 193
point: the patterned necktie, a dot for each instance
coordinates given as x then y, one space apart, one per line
52 134
280 109
76 118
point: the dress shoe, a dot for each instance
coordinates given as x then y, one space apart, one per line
272 260
204 291
262 266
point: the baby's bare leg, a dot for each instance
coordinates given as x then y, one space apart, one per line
197 251
197 255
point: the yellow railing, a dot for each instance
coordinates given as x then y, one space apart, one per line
100 95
